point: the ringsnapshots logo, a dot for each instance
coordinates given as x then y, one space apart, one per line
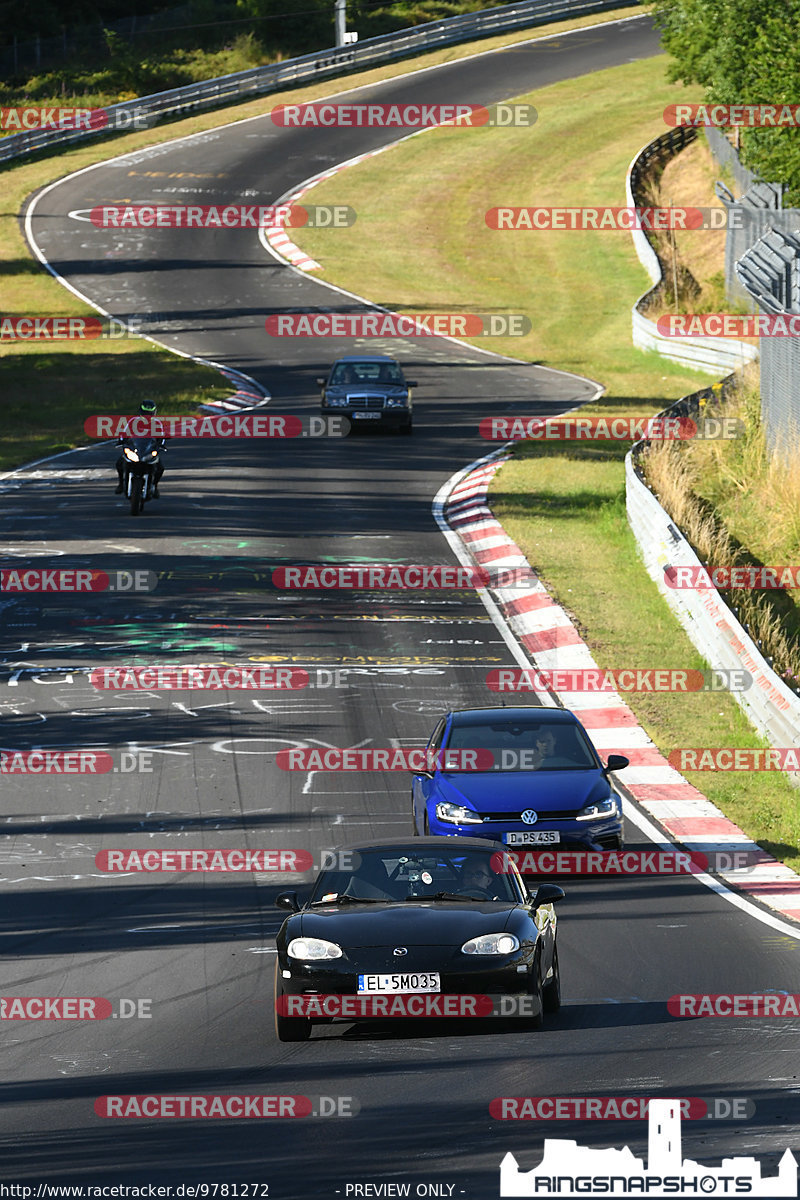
619 679
605 429
222 216
325 115
569 1171
74 579
228 425
398 325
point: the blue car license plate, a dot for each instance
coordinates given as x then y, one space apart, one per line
533 837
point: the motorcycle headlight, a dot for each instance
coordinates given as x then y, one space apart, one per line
457 814
491 943
312 949
599 810
130 454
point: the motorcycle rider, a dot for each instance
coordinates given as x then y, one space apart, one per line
147 408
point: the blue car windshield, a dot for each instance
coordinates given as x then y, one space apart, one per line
400 874
526 745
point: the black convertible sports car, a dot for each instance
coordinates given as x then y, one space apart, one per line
433 927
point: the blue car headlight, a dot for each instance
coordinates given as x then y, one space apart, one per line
600 810
396 402
336 401
310 949
457 814
491 943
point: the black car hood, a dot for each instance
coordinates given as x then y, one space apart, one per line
435 923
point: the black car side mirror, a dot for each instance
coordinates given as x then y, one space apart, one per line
547 893
616 762
411 383
287 900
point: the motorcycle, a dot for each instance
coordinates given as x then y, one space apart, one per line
140 460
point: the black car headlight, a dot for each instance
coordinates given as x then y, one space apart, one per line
491 943
599 810
310 949
396 402
457 814
336 401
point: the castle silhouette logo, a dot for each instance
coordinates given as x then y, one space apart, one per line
569 1170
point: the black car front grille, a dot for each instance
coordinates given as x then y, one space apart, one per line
369 403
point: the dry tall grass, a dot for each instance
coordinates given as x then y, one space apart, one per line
678 471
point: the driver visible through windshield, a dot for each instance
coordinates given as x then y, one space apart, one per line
442 874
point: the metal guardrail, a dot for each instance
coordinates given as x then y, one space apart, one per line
322 64
770 274
770 704
712 355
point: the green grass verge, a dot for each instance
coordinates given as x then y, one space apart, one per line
47 389
563 505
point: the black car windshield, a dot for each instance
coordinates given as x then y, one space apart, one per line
365 373
400 875
526 745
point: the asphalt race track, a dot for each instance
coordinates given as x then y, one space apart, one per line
200 770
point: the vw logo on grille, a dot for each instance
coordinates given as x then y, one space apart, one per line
529 816
399 951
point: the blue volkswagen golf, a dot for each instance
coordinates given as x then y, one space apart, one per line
546 786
